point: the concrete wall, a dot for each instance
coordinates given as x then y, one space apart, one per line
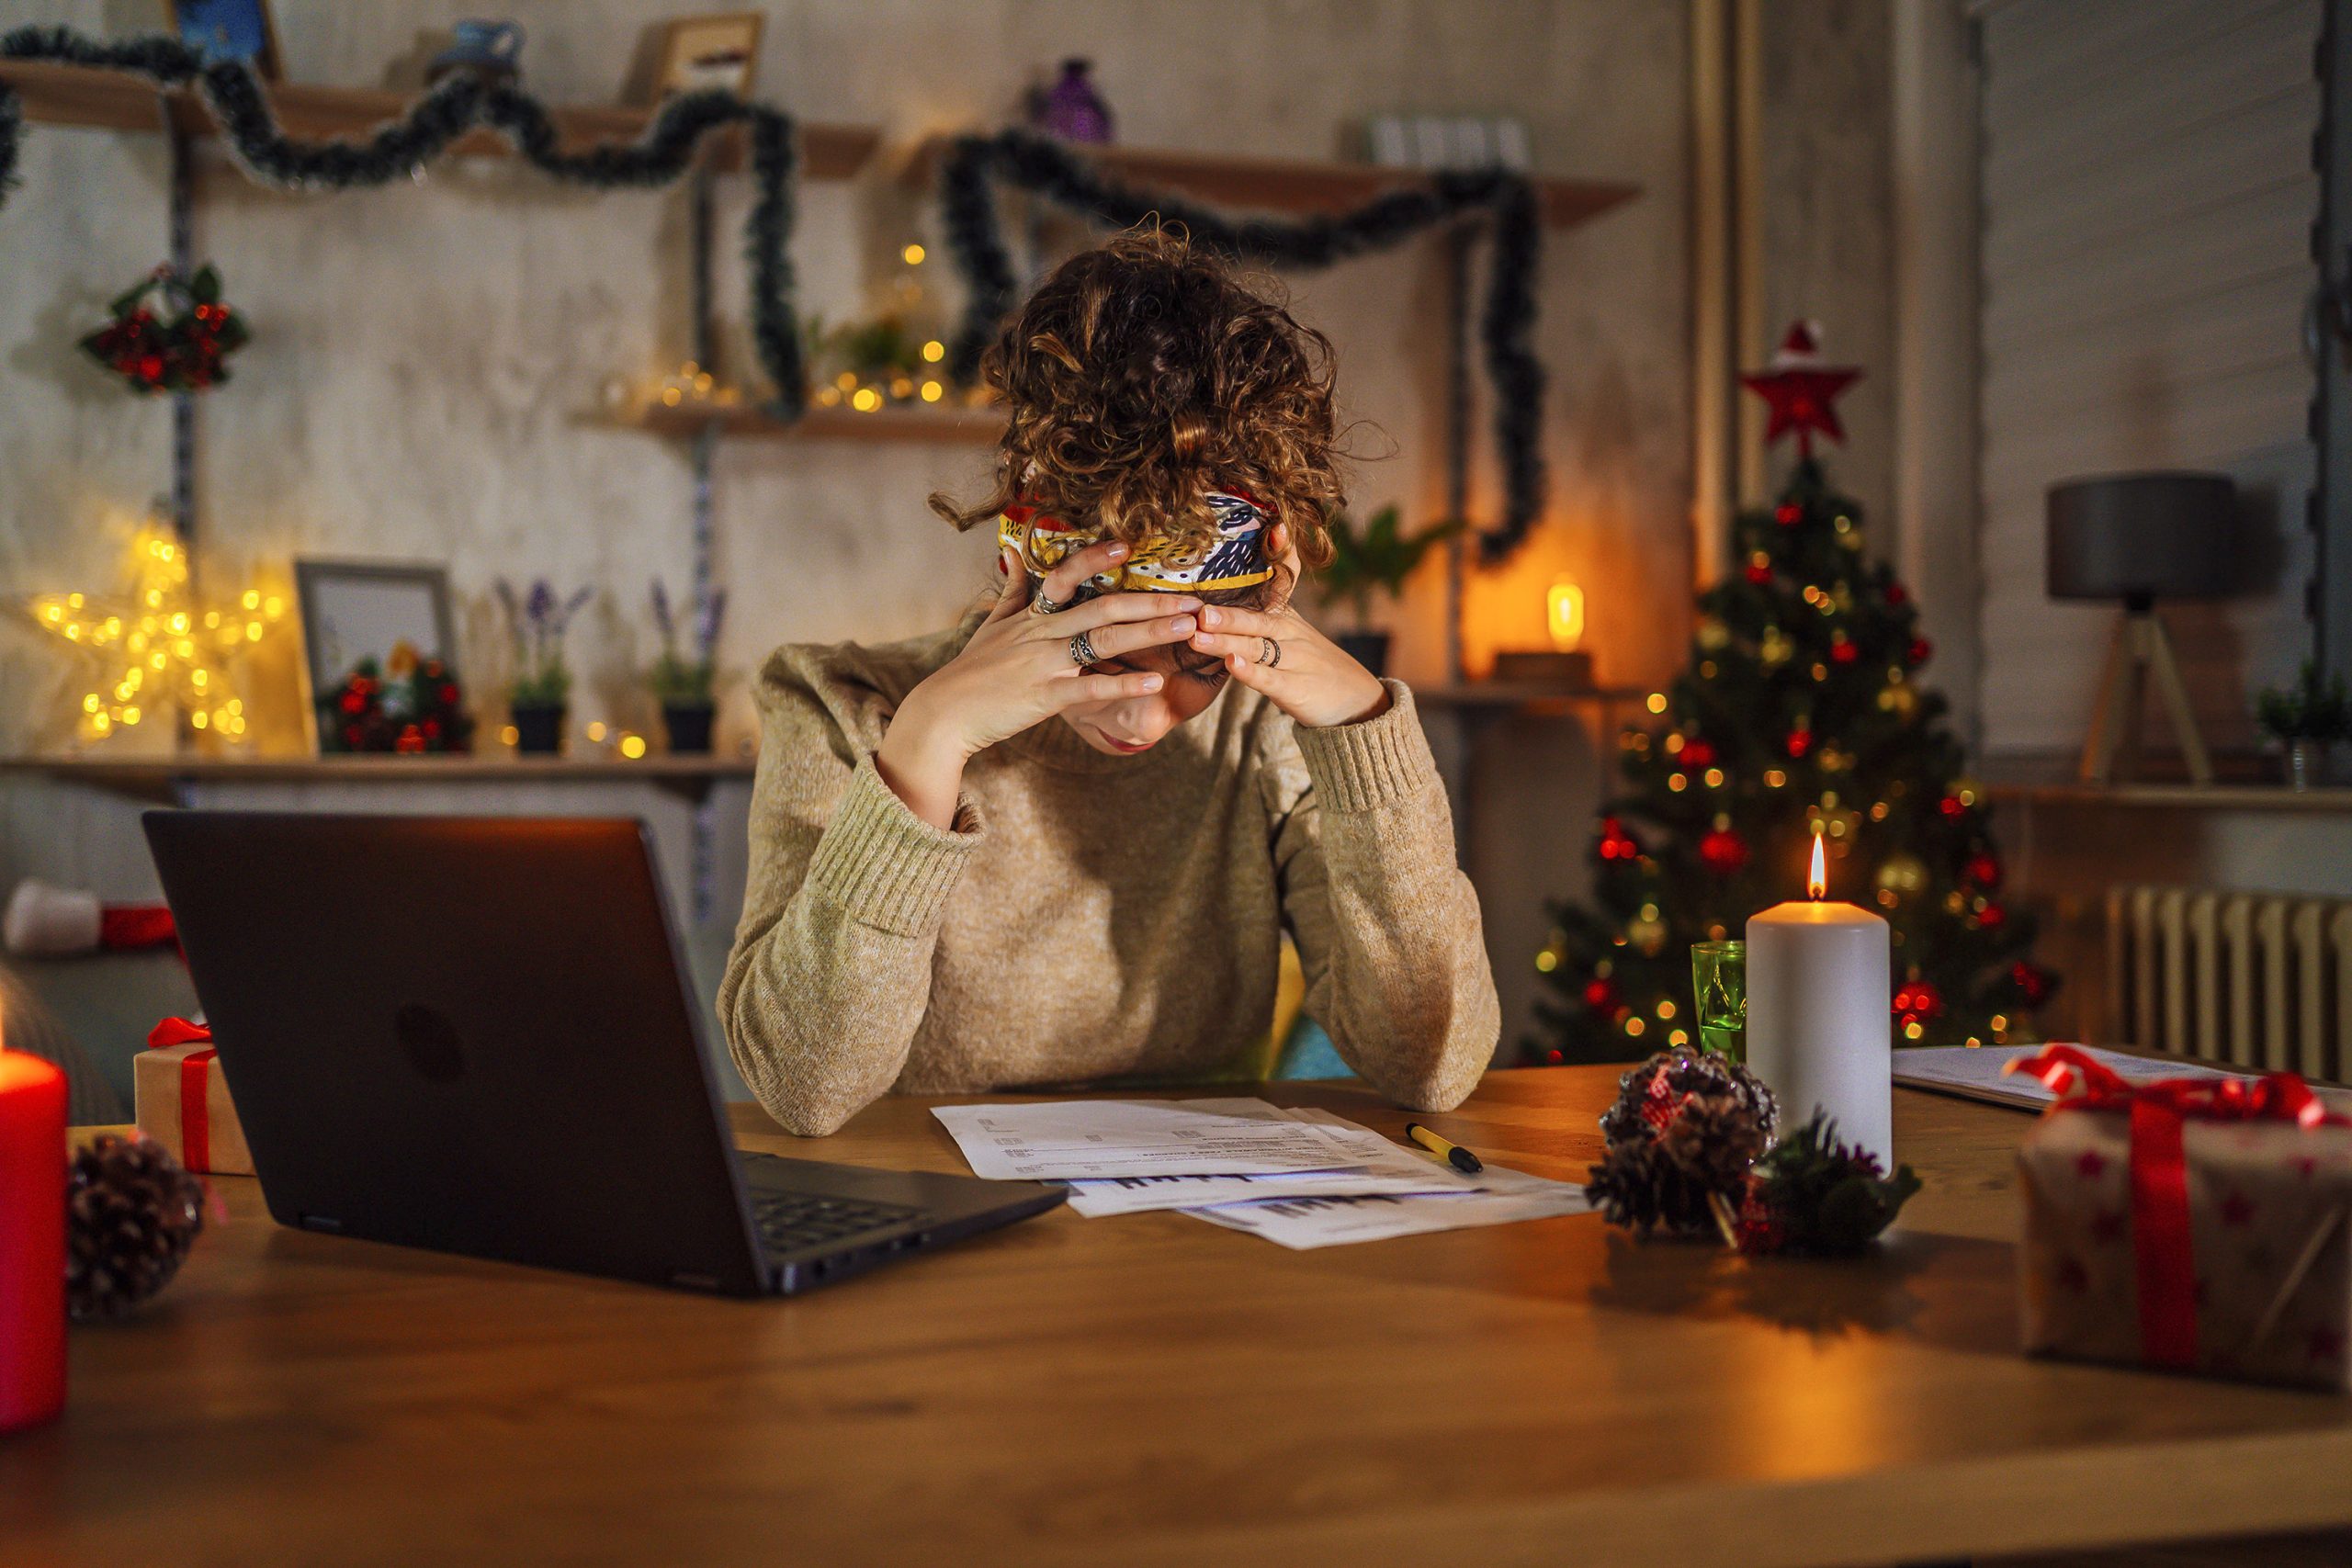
425 371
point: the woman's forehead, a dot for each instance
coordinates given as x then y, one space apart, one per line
1173 657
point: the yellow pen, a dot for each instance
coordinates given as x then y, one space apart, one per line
1455 1155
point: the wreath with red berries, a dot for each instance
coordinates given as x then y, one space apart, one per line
416 707
169 333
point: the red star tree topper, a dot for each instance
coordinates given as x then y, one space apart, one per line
1802 390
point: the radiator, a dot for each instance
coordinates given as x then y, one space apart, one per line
2259 980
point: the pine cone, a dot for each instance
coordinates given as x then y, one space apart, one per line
132 1215
1685 1129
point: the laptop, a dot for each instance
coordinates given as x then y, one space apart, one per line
473 1035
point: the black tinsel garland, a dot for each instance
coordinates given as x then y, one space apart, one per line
1034 162
445 112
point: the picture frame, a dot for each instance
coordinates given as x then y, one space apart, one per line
228 29
352 610
718 50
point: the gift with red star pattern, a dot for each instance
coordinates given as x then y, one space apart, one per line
2192 1225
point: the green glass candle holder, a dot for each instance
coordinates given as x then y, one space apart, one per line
1719 993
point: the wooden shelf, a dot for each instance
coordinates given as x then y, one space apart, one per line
160 778
952 426
1288 184
115 100
2175 796
1527 695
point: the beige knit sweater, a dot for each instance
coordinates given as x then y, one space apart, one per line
1090 915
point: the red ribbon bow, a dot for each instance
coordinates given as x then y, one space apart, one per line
2160 1108
196 1117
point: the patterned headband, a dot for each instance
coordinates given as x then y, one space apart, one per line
1236 560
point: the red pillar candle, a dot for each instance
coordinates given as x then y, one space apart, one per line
33 1240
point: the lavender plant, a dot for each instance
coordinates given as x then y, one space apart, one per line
685 678
542 678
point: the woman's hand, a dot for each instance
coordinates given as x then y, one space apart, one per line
1017 671
1274 651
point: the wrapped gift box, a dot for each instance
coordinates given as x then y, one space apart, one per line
183 1102
2164 1229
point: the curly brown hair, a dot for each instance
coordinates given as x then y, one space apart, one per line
1144 373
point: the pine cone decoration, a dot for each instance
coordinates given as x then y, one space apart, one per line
132 1215
1686 1127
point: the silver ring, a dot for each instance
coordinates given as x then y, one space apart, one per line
1041 605
1270 652
1081 652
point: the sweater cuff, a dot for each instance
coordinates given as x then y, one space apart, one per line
1374 762
883 864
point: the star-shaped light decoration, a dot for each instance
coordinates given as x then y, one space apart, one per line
1802 390
161 646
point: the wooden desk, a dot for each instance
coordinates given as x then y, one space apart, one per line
1153 1390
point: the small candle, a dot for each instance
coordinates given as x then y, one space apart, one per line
33 1240
1819 1033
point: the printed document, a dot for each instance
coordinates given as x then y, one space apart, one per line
1094 1139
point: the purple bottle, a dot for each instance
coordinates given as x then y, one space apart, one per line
1071 108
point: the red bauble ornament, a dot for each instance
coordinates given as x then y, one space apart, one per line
1615 843
1799 741
1915 1001
2032 983
1759 575
1983 870
1723 851
1788 515
1696 753
1952 805
1844 651
1916 654
1897 595
1802 390
1601 993
1991 917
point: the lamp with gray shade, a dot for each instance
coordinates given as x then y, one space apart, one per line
2137 538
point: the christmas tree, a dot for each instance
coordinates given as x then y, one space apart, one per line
1802 714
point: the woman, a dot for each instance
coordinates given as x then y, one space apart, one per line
1061 840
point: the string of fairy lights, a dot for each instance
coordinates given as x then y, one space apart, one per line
883 363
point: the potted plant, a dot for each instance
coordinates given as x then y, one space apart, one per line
2307 718
682 685
540 693
1373 561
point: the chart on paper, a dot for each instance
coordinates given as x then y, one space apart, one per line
1306 1223
1094 1139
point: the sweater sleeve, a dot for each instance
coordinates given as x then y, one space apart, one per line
831 972
1387 927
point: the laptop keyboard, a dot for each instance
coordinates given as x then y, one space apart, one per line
790 1220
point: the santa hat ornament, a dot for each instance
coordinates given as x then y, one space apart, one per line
1801 389
43 921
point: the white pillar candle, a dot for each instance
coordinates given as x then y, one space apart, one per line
1819 1028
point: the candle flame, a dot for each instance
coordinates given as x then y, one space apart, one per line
1816 881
